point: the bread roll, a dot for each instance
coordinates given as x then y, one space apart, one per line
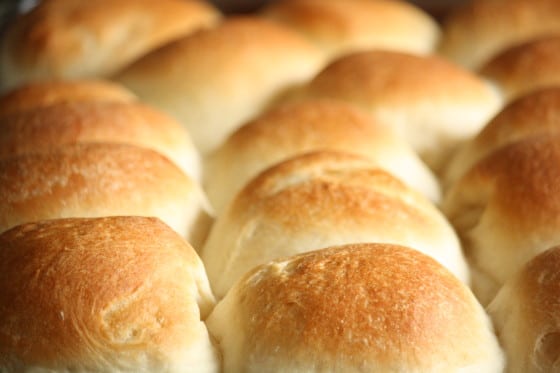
318 200
342 26
507 210
533 114
291 129
93 180
216 79
480 29
118 294
40 94
430 102
75 38
98 121
524 68
354 308
526 313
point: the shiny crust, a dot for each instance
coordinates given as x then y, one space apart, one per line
322 199
102 295
526 67
92 180
343 26
507 209
354 308
212 85
44 128
295 128
75 38
432 103
480 29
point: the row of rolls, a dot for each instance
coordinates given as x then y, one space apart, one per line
320 186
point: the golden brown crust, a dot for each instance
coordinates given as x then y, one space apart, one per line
526 67
344 26
321 199
295 128
212 84
354 308
530 115
99 294
44 128
429 101
92 180
480 29
73 38
41 94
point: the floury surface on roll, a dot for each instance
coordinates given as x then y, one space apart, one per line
95 180
214 80
44 128
295 128
40 94
78 39
343 26
322 199
354 308
526 313
507 210
432 103
118 294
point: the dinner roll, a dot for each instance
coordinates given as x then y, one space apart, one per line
432 103
526 67
290 129
533 114
98 121
507 209
75 38
478 30
92 180
318 200
342 26
354 308
526 313
116 294
216 79
40 94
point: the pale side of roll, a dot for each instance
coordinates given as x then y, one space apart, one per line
322 199
44 128
101 179
214 80
81 39
354 308
115 294
291 129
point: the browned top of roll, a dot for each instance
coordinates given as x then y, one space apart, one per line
40 94
353 308
99 294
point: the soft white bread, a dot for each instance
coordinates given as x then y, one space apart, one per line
75 38
318 200
342 26
290 129
214 80
523 68
354 308
480 29
43 128
430 102
93 180
116 294
526 313
507 209
533 114
40 94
